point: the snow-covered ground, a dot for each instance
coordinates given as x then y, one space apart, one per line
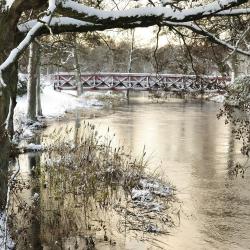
217 98
54 105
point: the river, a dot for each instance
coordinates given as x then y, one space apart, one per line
185 142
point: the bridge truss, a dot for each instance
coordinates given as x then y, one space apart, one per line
141 82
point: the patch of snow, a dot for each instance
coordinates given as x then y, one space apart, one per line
9 3
152 228
147 195
36 125
34 147
149 198
156 187
35 197
55 21
141 195
217 98
54 103
27 133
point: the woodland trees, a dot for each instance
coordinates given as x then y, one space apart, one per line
117 57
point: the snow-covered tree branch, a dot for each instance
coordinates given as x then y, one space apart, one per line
81 18
168 13
199 30
15 53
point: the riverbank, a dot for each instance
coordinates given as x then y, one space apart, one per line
54 106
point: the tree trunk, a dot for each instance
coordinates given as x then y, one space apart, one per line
131 51
235 66
4 159
8 41
77 70
38 86
32 81
13 90
130 57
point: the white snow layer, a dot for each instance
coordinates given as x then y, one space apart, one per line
9 3
55 21
166 12
54 104
217 98
34 147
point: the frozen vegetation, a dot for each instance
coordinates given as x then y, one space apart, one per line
87 173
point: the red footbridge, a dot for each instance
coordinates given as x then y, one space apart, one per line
141 82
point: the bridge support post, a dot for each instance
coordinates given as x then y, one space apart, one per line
127 94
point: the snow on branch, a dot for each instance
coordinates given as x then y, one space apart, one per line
199 30
83 12
8 3
81 18
15 53
234 12
64 24
55 21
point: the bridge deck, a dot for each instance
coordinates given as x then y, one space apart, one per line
141 82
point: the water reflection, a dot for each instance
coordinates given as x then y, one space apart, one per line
3 194
80 200
3 186
195 149
196 152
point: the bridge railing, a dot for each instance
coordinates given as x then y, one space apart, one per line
140 81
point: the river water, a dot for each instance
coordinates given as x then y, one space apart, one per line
185 142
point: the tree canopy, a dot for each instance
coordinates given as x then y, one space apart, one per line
57 16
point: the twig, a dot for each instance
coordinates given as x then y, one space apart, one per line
156 49
237 44
187 48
